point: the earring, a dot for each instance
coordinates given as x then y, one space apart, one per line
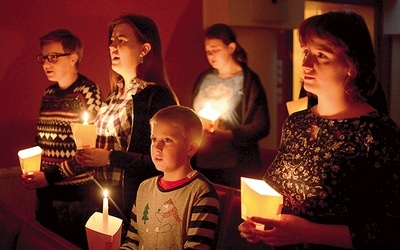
141 60
348 73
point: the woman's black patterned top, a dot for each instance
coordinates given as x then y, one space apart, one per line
344 171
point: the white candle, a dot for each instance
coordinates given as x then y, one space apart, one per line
84 134
85 118
105 207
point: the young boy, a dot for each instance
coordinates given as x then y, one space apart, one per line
180 208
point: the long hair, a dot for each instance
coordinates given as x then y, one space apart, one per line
347 32
152 69
227 35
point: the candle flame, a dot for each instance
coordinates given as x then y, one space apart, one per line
105 193
85 117
209 113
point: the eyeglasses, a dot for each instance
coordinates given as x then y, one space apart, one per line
51 58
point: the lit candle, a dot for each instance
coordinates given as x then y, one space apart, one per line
30 159
105 206
259 199
209 117
84 134
85 118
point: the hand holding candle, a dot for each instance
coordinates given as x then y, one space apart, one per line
209 117
84 134
30 159
104 231
259 199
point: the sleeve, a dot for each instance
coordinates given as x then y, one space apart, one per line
256 120
132 237
203 221
379 228
64 170
92 95
159 97
69 168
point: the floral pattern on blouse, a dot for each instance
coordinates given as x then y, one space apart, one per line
341 171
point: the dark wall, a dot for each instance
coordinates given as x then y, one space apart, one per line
22 80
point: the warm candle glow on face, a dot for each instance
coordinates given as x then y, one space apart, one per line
85 118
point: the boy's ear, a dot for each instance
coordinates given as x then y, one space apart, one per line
193 147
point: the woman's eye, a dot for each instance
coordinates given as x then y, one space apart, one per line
320 55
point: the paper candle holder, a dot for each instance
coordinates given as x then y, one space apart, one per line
210 125
209 117
259 199
30 159
103 235
84 135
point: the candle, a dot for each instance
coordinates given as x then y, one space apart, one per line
85 118
209 117
30 159
259 199
84 134
105 206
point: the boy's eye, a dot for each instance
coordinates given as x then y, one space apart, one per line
167 140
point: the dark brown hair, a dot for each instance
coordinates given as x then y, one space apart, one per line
71 43
347 32
227 35
145 29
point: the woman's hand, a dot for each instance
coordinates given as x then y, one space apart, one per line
291 230
245 230
93 157
288 230
34 180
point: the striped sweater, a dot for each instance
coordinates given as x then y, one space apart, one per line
184 217
58 109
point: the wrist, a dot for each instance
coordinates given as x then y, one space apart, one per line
109 157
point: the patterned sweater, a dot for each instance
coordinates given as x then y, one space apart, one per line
184 217
58 109
331 171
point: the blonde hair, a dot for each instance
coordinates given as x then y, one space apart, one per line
182 117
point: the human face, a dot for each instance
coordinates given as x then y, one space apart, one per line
218 54
325 69
169 149
125 50
63 68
